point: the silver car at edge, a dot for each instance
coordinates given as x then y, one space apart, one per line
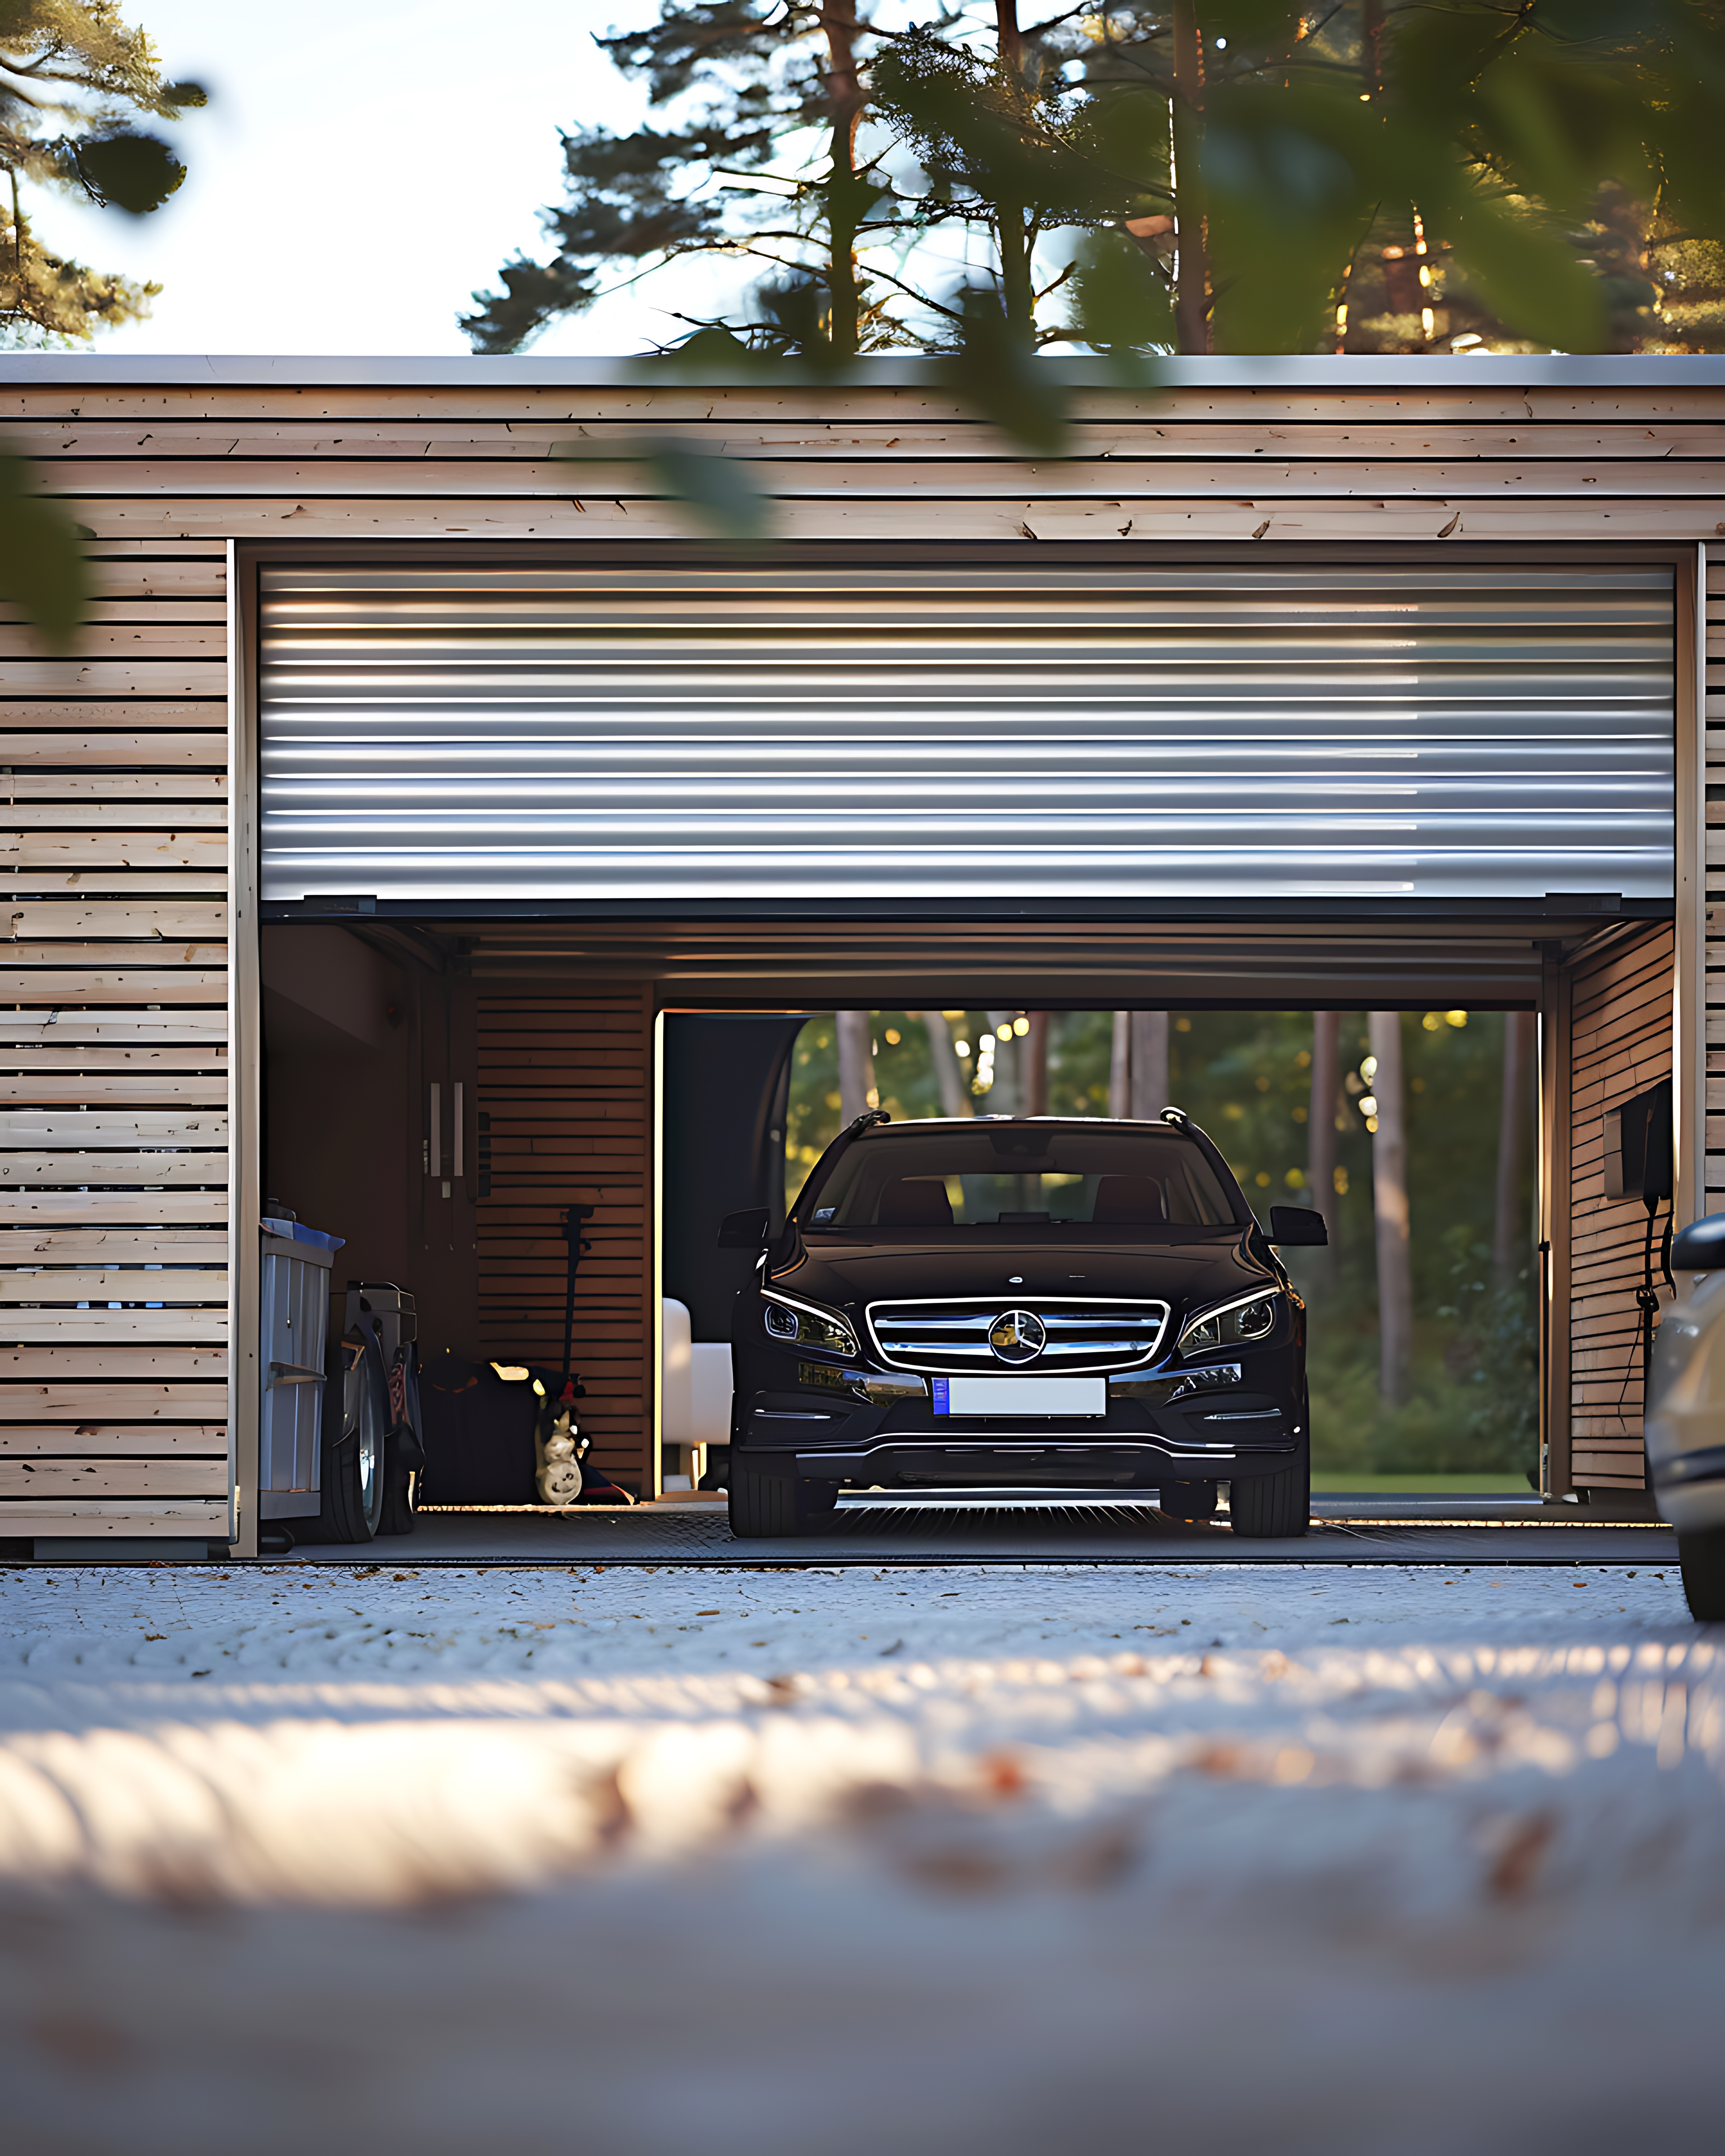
1686 1417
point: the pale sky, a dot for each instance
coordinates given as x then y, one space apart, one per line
363 166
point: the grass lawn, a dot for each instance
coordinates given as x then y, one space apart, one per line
1350 1484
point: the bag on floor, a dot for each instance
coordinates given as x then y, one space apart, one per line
478 1431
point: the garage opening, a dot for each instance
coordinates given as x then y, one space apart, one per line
1307 1112
589 852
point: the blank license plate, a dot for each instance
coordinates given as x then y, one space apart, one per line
1021 1396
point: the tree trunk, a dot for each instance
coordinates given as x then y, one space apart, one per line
1005 1097
1371 42
1009 36
1320 1126
1389 1204
1191 298
948 1071
845 96
1036 1065
1120 1066
1509 1226
1148 1089
856 1064
1012 237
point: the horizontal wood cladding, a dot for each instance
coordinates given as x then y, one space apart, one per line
169 1518
98 1358
565 1084
1621 1043
1275 470
182 469
120 755
107 1207
924 514
114 1287
1418 408
114 856
96 1249
73 1404
89 1441
73 1477
1158 434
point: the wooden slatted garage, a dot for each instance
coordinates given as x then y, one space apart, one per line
123 1095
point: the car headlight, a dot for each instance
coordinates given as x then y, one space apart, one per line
806 1325
1253 1317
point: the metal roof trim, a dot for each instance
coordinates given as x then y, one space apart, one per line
1448 373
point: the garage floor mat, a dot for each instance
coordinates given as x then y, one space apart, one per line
874 1532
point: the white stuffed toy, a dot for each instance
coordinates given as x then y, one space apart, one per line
559 1475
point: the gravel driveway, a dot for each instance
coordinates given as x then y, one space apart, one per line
1344 1859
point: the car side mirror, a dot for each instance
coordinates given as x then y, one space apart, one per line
1291 1225
751 1230
1700 1248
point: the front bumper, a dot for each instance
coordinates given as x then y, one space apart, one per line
1189 1426
1055 1463
1690 1488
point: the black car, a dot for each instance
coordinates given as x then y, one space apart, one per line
1021 1301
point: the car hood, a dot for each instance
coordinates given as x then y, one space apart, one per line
1188 1275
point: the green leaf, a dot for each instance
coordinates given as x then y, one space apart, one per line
1290 190
1561 126
998 376
134 172
43 570
719 492
1528 276
1123 302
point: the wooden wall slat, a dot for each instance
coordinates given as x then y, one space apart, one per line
56 1481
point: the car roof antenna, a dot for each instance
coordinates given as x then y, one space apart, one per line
862 1123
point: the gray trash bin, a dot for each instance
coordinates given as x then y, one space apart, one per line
295 1294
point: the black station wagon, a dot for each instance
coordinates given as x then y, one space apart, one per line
1021 1302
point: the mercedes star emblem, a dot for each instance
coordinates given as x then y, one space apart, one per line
1017 1336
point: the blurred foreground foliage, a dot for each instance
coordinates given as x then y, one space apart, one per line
76 81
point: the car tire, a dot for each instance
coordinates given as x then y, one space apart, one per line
354 1447
764 1506
1271 1507
1187 1501
1702 1559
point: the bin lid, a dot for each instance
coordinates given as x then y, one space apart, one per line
296 1231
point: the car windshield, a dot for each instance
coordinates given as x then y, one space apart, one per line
1020 1175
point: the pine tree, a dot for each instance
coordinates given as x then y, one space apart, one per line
1197 175
771 102
74 82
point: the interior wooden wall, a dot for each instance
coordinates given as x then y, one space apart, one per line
566 1099
1715 940
1621 1042
113 1060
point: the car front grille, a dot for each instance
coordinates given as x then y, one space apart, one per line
953 1335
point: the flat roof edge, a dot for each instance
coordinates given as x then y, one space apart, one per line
1447 372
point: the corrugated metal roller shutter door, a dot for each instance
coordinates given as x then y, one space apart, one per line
962 732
